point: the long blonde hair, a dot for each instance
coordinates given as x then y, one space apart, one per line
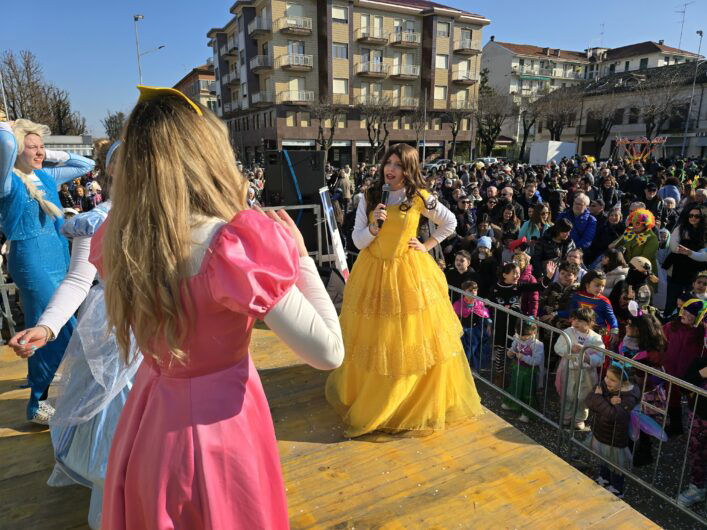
20 129
173 165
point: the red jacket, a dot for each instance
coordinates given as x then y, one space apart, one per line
684 345
529 302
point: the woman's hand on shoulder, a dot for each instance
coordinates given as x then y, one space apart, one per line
282 218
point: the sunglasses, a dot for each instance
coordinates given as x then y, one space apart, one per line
694 216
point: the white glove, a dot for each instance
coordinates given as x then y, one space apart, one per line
57 157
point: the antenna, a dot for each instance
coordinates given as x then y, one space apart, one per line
682 23
601 35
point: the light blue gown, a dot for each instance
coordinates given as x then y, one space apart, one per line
39 256
94 386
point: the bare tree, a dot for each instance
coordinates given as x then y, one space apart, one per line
377 112
560 110
418 123
326 113
531 111
659 98
492 112
113 123
456 118
64 121
29 96
602 115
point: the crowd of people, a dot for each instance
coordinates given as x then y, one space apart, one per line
573 244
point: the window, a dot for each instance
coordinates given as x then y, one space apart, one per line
290 118
340 14
442 61
627 65
633 115
244 92
443 29
644 64
341 86
437 124
667 61
340 121
540 126
440 92
241 57
612 68
340 51
618 116
304 119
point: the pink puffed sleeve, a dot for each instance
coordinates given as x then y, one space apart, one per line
253 263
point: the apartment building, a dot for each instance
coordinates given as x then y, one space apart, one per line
276 58
527 71
200 85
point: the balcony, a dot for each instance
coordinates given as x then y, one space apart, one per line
210 62
405 39
227 107
567 74
406 102
466 47
259 27
295 25
260 63
231 106
261 99
296 96
223 50
231 78
296 62
464 76
371 36
460 103
439 104
232 47
405 71
532 71
341 99
369 69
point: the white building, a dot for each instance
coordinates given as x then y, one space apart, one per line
525 71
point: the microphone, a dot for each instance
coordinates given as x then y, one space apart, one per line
384 200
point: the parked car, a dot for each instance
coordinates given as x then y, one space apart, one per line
437 164
488 160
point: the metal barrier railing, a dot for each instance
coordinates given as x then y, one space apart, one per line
486 344
655 399
490 363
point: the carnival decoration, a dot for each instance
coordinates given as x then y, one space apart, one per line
639 149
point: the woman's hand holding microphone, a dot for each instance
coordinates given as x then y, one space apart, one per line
379 216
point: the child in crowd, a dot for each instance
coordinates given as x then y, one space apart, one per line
698 290
557 296
507 292
474 317
485 265
611 402
685 339
614 266
577 372
697 447
590 296
576 256
529 355
461 271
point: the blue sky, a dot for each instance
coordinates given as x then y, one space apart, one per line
88 47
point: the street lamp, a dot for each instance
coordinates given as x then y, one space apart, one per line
692 95
137 46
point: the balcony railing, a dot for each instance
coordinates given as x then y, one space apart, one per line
232 46
259 26
405 38
231 78
406 102
464 76
532 70
341 99
296 96
372 69
466 47
296 61
260 62
264 97
460 103
223 50
295 25
372 99
371 35
405 70
227 107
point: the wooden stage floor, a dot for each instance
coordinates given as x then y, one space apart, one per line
479 474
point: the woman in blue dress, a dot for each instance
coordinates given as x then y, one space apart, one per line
31 219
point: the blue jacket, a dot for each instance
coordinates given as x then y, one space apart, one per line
584 227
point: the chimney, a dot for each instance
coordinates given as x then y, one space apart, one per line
661 41
546 51
557 52
493 38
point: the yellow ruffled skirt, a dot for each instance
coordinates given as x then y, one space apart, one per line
404 368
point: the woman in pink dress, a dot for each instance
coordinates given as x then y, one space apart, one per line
195 446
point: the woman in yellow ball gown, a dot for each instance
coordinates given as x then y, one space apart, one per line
404 368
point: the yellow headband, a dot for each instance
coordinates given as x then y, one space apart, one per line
151 92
